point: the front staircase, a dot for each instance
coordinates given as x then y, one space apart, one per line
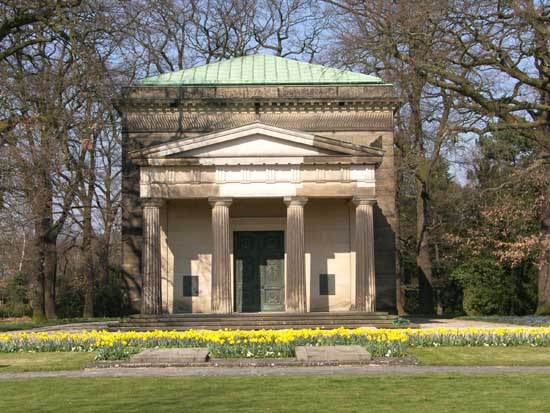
254 321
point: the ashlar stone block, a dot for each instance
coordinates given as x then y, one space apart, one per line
171 355
333 353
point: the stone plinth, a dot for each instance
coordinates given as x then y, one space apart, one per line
171 355
333 353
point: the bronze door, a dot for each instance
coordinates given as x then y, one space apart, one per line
259 271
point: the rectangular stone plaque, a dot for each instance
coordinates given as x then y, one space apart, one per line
171 355
190 286
327 284
332 353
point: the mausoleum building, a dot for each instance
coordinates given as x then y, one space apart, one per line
259 184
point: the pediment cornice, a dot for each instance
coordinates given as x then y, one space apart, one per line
291 144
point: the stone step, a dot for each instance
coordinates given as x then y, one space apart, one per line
180 327
260 320
313 315
240 327
257 322
211 328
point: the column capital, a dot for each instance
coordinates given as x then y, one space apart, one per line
363 200
220 201
152 202
295 200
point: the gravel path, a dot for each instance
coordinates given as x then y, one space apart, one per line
424 322
271 371
69 328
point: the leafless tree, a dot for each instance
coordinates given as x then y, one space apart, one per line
170 35
29 23
52 88
496 56
393 39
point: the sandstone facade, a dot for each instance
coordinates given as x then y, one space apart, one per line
228 156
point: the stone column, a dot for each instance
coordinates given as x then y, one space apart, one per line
151 259
365 289
221 259
295 255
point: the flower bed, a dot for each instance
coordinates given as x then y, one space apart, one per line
222 343
506 336
270 343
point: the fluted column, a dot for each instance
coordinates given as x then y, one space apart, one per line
295 255
151 258
221 259
365 288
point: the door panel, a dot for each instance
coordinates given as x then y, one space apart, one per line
259 270
272 285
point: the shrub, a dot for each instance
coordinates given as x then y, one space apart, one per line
69 300
491 288
111 299
16 303
15 309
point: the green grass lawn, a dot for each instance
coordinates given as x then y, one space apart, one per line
416 393
429 356
19 362
27 325
482 356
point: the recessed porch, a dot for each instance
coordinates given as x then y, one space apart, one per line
257 254
205 198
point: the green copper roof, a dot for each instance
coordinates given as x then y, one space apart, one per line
258 69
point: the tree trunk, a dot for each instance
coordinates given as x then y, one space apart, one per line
87 253
400 297
543 304
104 255
103 270
46 250
37 299
399 276
87 264
50 276
423 259
422 172
88 230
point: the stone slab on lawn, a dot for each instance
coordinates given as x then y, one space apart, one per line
333 353
171 355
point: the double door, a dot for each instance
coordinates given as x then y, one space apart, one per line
259 271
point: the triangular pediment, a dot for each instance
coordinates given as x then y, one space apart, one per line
258 144
256 140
